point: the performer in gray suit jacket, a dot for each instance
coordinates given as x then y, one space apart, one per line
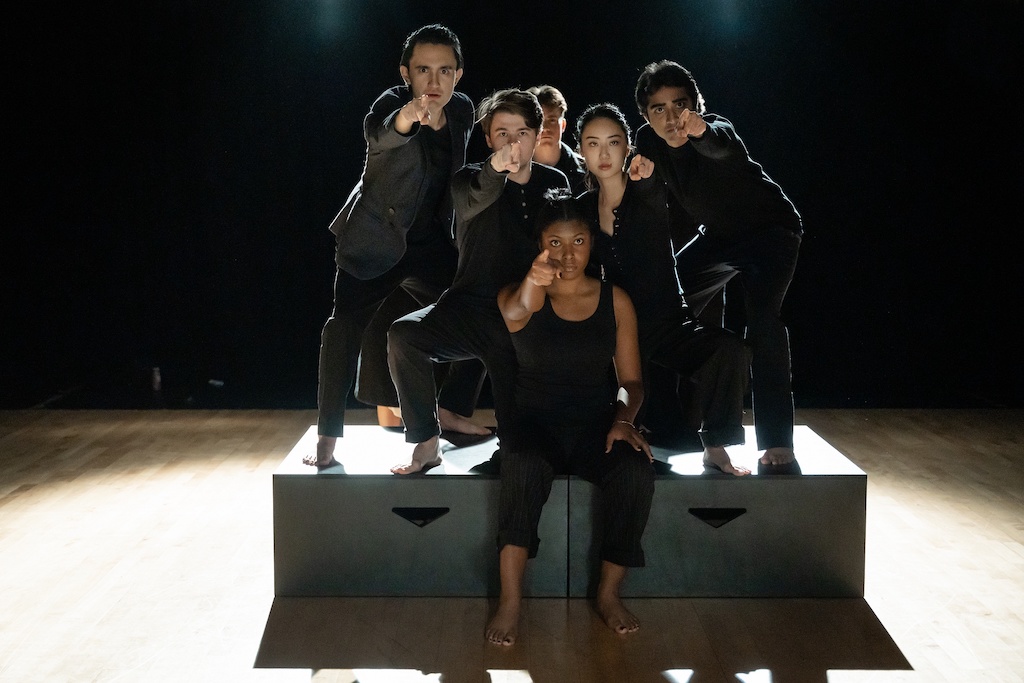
395 229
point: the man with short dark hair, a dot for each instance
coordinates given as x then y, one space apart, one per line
495 204
395 227
551 149
747 227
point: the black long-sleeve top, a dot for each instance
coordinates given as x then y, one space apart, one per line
717 183
572 165
639 257
494 226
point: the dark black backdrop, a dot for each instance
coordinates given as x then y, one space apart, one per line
172 167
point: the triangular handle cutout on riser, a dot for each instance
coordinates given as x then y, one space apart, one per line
421 516
717 517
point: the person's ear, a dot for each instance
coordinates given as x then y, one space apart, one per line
402 69
563 123
458 76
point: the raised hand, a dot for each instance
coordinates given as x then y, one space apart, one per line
640 167
507 158
690 124
544 270
417 110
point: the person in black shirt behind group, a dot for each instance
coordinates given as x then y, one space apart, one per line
551 149
747 228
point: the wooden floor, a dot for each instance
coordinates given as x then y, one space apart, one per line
137 546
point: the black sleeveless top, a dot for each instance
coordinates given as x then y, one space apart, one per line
564 364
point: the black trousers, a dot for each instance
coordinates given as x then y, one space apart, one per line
543 447
457 328
765 261
460 382
425 271
715 363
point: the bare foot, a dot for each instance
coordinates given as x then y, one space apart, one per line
778 456
717 458
615 614
504 625
425 456
453 422
324 456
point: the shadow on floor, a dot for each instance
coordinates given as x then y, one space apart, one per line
682 639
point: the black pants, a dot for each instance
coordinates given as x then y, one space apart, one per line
545 446
714 362
460 382
456 328
765 261
425 271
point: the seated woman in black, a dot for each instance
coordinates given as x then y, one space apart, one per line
568 329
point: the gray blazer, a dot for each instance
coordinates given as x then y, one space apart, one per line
372 225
